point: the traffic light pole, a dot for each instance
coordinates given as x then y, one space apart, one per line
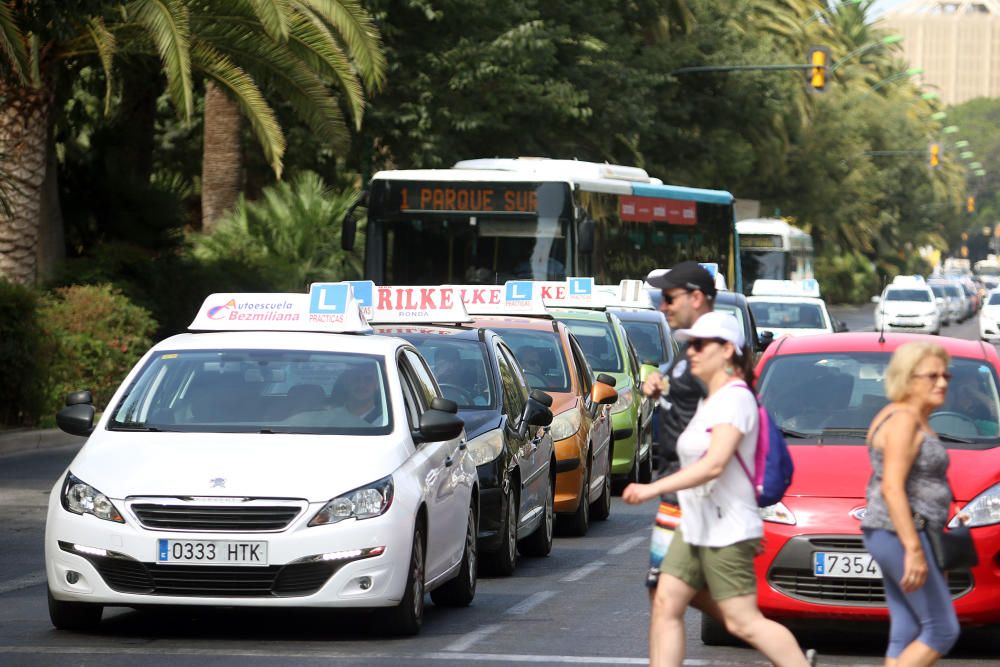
739 68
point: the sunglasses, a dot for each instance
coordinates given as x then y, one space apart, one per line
669 298
698 344
934 377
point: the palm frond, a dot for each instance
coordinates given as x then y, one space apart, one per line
244 90
273 15
12 42
359 33
313 42
105 44
168 25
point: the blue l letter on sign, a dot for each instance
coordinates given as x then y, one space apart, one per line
581 286
328 299
518 290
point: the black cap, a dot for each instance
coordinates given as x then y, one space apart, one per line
687 275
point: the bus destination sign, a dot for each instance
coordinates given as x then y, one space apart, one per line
437 197
759 241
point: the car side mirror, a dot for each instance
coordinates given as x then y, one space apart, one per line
437 425
77 419
537 411
586 230
80 397
603 394
765 338
839 326
444 405
604 378
349 230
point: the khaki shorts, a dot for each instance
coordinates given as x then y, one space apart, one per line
727 571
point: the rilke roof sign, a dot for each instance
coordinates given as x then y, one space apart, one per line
515 297
412 303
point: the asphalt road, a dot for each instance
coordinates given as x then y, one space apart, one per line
583 605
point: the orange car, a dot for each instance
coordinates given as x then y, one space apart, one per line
581 427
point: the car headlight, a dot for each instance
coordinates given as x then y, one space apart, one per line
565 424
777 513
79 497
362 503
624 400
486 447
983 510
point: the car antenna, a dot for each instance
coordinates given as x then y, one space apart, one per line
881 321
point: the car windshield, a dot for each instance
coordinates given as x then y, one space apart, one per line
645 337
994 299
599 344
787 315
907 295
939 290
460 369
540 354
258 391
817 395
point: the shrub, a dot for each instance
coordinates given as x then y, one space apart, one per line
22 360
95 336
846 277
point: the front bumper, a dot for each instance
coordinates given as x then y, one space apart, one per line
912 325
788 590
989 330
324 566
571 464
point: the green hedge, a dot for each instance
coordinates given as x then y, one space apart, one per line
94 336
22 358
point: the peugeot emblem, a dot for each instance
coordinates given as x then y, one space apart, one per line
218 483
859 513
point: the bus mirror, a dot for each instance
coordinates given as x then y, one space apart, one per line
586 242
348 231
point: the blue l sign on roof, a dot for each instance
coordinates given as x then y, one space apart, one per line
581 286
518 290
364 292
328 299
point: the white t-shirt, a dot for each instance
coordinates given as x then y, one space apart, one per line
722 511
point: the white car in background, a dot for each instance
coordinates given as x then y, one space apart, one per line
272 459
789 308
907 305
989 317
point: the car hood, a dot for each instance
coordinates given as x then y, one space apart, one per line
314 467
991 312
478 422
842 471
913 307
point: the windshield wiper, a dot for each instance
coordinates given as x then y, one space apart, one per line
789 433
847 431
142 429
955 438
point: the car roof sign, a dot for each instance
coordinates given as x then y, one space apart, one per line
515 297
327 308
768 287
572 293
419 304
626 294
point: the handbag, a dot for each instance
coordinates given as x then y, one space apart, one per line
952 549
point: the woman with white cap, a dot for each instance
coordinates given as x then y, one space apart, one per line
720 529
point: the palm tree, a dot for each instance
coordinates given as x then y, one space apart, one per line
288 48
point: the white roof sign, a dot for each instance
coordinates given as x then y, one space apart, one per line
411 303
768 287
328 308
626 294
571 293
515 297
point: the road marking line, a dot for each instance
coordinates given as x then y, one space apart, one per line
585 571
530 602
627 545
368 656
27 581
467 640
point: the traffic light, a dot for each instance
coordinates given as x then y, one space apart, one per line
970 204
934 155
819 59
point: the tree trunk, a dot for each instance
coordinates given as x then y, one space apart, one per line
24 130
222 156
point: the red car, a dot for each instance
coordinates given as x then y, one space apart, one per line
824 391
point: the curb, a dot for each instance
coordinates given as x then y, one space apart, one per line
22 440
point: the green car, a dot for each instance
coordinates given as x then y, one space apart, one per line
607 348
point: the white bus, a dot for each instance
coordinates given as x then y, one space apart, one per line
771 248
492 220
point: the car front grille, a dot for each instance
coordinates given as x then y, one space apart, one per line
792 574
196 517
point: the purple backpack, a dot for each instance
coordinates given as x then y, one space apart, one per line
772 462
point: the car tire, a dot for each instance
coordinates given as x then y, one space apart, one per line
539 543
79 616
600 509
714 633
646 466
460 591
406 618
631 477
578 523
503 561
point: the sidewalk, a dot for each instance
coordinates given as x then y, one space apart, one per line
26 439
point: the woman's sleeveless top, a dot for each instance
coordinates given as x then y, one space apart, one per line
927 486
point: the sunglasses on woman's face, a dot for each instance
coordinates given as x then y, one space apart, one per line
698 344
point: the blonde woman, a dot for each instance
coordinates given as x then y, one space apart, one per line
909 476
720 529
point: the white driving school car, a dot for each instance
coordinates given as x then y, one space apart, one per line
276 458
789 308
